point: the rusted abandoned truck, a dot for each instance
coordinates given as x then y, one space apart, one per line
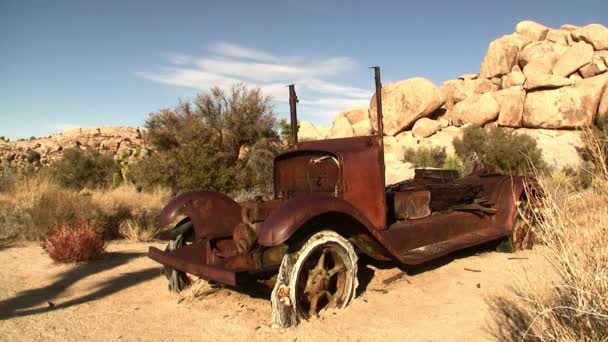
331 204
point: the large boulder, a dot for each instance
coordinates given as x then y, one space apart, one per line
393 149
308 131
515 78
596 67
341 128
566 107
454 91
396 171
538 57
545 81
500 57
477 109
355 115
602 110
531 30
558 37
558 147
404 102
575 57
363 127
425 127
594 34
443 138
511 103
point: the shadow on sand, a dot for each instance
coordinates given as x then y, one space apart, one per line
366 273
28 302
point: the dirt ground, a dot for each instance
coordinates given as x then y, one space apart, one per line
124 297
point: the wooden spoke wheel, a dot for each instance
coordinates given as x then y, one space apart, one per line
321 275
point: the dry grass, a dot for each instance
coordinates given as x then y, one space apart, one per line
200 289
140 229
34 205
573 227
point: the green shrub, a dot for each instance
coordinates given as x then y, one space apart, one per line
80 169
32 156
423 156
222 141
511 153
452 162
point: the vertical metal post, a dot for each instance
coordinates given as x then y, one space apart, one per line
380 131
293 100
379 102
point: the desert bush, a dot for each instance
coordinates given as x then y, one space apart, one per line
80 169
572 227
212 143
81 241
423 156
37 204
141 228
511 153
54 207
452 162
7 177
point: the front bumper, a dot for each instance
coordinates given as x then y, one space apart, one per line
187 259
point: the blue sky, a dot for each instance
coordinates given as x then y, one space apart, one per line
86 63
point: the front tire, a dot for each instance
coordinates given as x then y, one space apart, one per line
321 275
178 280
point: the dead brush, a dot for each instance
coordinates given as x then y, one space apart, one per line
572 227
199 289
81 241
142 228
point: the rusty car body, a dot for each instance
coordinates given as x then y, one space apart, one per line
331 204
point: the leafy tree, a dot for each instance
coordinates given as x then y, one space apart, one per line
79 168
222 141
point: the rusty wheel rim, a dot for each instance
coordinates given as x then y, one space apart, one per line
322 281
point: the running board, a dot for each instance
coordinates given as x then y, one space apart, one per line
426 253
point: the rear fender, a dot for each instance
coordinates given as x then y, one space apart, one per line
508 192
294 215
212 213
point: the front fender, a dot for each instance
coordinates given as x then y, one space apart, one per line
287 219
212 213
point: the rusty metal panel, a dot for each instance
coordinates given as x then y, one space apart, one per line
362 173
258 211
412 205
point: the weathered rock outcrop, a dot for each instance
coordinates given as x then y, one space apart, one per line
567 107
404 102
425 127
477 109
119 142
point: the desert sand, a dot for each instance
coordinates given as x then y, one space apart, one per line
123 296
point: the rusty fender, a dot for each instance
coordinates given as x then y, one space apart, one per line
507 192
291 216
212 213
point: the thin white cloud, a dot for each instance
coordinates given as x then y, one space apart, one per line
237 51
228 63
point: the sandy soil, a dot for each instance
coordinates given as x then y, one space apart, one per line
124 297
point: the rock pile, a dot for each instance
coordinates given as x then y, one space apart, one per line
541 81
119 142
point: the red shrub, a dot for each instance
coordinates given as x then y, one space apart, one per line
77 242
